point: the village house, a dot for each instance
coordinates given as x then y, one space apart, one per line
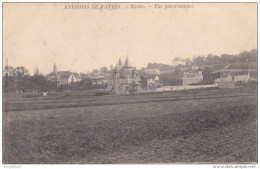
236 77
225 81
153 80
242 78
66 77
63 77
224 77
192 77
123 77
228 80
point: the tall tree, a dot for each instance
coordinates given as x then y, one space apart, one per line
95 71
143 81
103 70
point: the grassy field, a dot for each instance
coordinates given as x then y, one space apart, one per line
14 102
205 126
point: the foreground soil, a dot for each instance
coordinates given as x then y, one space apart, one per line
221 128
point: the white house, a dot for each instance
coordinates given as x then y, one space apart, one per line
192 77
66 77
153 80
63 77
99 79
242 78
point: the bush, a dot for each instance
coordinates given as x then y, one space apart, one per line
248 84
252 83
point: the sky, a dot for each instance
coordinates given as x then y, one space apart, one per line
80 40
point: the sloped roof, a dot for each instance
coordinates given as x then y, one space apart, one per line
151 76
77 75
64 74
52 74
192 74
224 75
126 62
241 73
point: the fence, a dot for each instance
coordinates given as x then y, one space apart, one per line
177 88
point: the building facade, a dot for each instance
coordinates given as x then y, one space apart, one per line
227 80
242 78
63 77
99 79
192 77
124 78
153 81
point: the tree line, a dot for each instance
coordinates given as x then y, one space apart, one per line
23 83
245 56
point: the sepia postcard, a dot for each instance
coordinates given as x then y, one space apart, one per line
130 83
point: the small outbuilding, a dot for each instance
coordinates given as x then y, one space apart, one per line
44 93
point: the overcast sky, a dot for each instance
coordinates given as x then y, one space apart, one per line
41 34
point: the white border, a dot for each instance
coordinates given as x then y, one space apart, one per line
126 166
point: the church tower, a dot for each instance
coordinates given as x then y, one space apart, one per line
126 64
36 71
54 69
119 64
6 64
